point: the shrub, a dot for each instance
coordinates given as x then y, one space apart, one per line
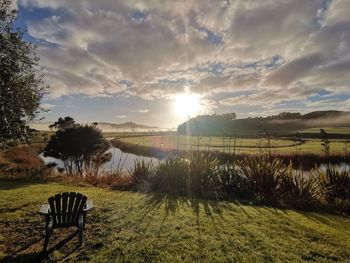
264 173
140 174
335 184
24 157
234 183
171 176
203 175
299 188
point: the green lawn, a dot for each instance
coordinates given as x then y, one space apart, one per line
133 227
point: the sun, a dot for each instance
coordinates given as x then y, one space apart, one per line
187 105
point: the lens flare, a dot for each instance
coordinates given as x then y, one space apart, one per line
187 105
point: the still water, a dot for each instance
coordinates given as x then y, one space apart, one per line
124 161
120 160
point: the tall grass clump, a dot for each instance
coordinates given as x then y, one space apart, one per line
263 173
334 187
140 174
203 175
171 176
233 182
299 188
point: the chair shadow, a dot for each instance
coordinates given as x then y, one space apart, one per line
42 255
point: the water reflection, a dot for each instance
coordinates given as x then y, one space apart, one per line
119 161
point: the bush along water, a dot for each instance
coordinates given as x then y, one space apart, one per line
256 178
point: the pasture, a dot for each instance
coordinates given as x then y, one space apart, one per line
235 145
136 227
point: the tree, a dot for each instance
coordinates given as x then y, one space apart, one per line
81 148
62 124
21 89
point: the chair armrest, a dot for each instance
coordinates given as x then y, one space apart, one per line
88 205
44 209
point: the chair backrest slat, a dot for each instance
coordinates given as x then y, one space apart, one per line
71 200
58 208
53 208
66 207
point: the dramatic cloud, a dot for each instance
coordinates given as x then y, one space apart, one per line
231 52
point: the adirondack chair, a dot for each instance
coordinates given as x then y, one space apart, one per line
65 210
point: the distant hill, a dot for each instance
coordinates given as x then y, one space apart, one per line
283 123
104 126
325 114
126 126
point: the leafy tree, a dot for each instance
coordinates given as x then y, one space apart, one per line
81 148
62 124
21 89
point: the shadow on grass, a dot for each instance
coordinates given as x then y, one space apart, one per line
211 208
6 184
36 256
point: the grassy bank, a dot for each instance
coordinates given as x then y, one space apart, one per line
133 227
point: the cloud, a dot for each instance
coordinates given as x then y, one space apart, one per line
120 116
294 70
143 111
47 106
282 50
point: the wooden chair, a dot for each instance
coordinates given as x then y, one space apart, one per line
65 210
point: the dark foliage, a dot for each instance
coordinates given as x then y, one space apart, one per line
21 89
62 124
82 149
234 183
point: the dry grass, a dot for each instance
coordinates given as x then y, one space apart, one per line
22 162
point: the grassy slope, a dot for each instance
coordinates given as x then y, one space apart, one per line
135 227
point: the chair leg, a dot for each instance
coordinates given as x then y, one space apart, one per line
47 236
84 220
48 231
80 229
80 236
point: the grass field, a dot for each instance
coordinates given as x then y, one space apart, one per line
238 145
134 227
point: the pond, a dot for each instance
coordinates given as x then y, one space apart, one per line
120 160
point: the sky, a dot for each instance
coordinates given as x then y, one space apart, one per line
118 61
